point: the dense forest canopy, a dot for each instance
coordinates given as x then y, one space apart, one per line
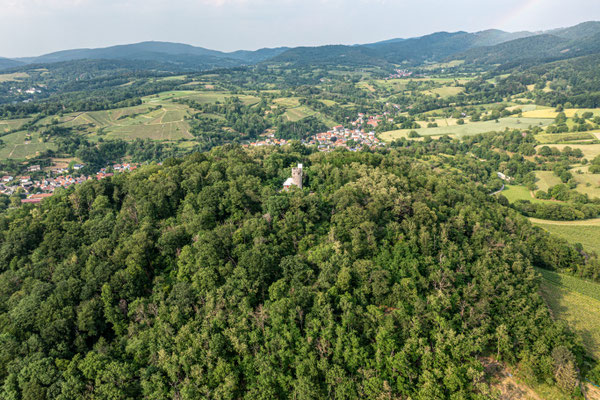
200 278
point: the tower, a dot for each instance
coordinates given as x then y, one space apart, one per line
297 176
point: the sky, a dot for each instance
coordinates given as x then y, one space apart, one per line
35 27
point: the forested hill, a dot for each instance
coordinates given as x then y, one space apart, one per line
200 278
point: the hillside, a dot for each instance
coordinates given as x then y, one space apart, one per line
6 63
580 40
201 278
486 47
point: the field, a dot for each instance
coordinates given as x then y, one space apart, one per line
13 77
565 137
200 97
578 303
546 179
551 113
589 151
154 120
288 102
516 192
297 113
8 125
575 232
446 91
17 147
471 128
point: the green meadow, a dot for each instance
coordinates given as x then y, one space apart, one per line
471 128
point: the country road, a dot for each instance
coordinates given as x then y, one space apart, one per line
498 191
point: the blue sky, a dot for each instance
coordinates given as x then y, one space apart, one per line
34 27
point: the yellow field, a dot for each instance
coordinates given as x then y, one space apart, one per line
13 77
583 222
589 151
551 113
288 101
471 128
446 91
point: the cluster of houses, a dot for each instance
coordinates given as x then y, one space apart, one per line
38 189
32 90
372 121
355 138
352 139
400 73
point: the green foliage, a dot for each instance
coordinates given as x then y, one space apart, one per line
199 278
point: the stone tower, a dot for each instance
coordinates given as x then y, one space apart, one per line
297 176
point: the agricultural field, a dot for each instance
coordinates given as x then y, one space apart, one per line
288 102
298 113
548 112
571 137
446 91
16 146
575 232
200 97
17 76
9 125
472 128
517 192
576 302
546 179
589 151
587 183
153 120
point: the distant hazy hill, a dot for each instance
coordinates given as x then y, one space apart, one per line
182 55
331 55
487 47
580 40
434 47
6 63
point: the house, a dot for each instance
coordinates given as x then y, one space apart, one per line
295 180
7 178
25 179
77 167
34 168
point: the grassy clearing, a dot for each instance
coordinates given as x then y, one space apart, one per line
446 91
570 300
587 235
551 113
588 184
200 97
17 76
288 102
298 113
546 179
473 128
582 222
516 192
565 137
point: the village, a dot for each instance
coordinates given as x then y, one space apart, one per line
36 190
353 139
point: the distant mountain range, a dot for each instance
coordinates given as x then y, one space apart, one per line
485 47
